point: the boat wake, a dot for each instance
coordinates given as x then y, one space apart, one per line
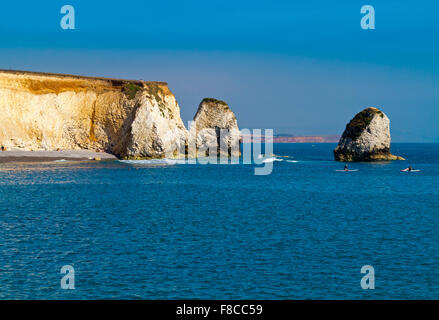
273 159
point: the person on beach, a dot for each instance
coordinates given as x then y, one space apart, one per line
3 148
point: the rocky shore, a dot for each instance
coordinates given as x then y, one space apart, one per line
46 156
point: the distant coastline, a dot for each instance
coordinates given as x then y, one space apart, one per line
292 139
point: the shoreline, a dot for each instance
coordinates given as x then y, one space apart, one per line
48 156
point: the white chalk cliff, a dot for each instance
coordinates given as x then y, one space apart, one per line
215 129
366 138
128 118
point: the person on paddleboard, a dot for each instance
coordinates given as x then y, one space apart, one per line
410 168
346 167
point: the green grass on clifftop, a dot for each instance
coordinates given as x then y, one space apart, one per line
213 100
130 90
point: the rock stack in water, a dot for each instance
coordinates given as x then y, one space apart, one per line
215 129
366 138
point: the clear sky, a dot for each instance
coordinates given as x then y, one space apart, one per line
299 67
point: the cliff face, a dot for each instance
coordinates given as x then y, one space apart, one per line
215 129
131 119
366 138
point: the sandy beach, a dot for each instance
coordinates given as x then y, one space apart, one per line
44 156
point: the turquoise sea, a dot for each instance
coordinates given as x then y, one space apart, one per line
173 231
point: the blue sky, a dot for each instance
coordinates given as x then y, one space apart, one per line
300 67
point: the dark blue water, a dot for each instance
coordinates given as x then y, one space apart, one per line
219 231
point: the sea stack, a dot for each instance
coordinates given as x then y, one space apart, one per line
215 130
366 138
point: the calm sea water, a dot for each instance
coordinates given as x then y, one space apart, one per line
219 231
